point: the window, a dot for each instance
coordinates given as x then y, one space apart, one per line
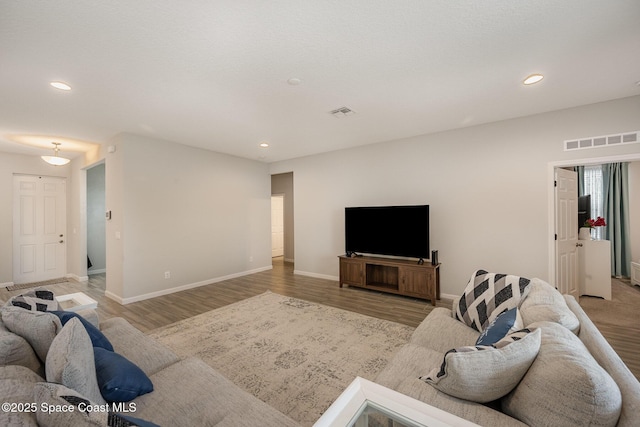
593 186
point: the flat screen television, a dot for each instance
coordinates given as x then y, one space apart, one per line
401 231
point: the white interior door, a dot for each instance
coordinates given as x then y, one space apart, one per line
566 231
39 228
277 226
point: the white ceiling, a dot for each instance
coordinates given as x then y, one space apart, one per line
213 74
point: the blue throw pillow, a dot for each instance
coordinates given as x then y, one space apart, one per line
119 379
502 326
97 338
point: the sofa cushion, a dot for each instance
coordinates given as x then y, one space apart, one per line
147 353
38 299
70 361
15 350
38 328
16 387
192 393
119 379
503 325
401 374
545 303
484 373
487 295
57 395
97 338
429 332
564 385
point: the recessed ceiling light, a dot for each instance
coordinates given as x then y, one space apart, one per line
293 81
532 79
264 144
60 85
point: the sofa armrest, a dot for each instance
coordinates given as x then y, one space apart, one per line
606 357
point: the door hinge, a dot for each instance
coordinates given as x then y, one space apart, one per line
555 183
555 237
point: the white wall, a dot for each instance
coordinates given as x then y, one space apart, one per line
200 215
11 164
486 186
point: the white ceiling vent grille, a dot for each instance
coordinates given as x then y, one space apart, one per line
342 112
602 141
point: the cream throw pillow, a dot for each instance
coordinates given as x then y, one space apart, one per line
564 385
545 303
485 373
70 361
38 328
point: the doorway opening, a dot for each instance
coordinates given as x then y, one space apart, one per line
96 226
282 238
554 266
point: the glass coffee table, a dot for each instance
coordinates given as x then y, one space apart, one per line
365 403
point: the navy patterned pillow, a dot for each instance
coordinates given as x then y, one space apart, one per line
487 295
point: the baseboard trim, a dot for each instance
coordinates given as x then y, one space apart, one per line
77 278
102 270
129 300
5 284
316 275
448 296
114 297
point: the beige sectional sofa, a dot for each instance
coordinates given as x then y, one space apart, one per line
575 378
186 392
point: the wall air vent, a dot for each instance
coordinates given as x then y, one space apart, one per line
602 141
342 112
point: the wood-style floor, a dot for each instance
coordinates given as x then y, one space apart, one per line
160 311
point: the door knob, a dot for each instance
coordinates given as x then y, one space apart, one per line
61 241
61 235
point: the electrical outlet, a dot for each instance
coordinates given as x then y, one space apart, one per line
167 275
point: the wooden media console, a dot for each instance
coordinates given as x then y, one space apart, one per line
395 276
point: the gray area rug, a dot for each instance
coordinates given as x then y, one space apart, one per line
295 355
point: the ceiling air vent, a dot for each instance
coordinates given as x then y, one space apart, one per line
342 112
602 141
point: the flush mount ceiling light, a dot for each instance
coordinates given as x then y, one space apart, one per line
264 144
60 85
532 79
55 159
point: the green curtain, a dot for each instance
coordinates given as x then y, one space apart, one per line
616 212
580 171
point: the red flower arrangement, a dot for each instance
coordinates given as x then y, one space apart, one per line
598 222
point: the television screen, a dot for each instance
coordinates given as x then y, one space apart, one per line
388 230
